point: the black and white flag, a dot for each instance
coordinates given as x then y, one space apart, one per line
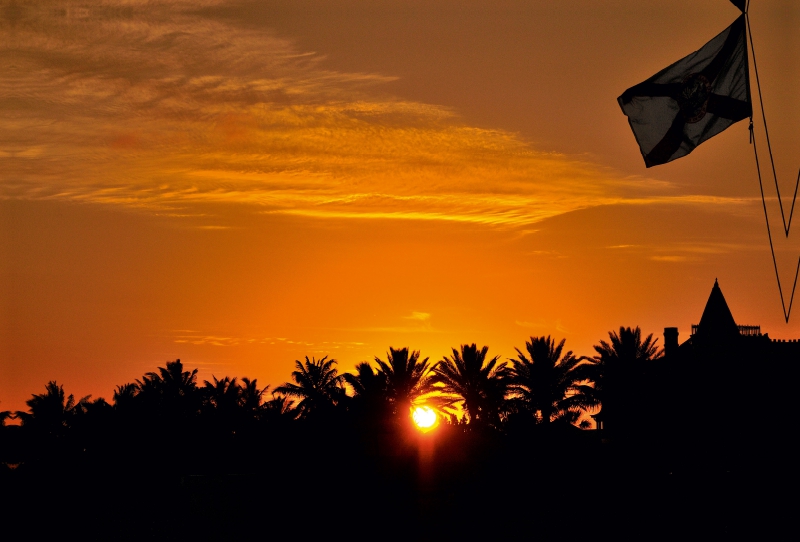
692 100
741 4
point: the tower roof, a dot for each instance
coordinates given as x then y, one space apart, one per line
717 319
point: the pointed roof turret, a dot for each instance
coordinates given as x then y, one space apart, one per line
717 319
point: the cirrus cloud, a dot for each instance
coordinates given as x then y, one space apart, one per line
164 107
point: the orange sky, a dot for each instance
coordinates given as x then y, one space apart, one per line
240 184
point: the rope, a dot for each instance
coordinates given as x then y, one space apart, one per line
786 225
786 313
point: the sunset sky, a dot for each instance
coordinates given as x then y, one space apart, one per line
239 184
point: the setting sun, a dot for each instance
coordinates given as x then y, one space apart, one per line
354 263
424 417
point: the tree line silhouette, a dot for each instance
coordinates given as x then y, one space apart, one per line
543 385
170 458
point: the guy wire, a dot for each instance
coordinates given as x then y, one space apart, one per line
786 226
786 313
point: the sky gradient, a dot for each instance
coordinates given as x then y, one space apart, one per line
240 184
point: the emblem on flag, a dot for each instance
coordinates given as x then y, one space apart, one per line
692 100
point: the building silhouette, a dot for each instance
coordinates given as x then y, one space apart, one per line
728 391
723 396
718 331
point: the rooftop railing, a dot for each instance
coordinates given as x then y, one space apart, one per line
747 331
750 331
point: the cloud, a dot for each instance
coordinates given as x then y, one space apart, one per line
167 107
542 324
213 340
688 251
694 252
549 253
417 322
671 258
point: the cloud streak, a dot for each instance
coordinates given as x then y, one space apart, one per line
163 106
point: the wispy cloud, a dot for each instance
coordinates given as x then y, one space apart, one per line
163 106
542 324
212 340
672 258
419 316
198 338
685 251
415 322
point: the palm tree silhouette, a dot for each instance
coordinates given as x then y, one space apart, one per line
279 408
124 396
171 390
480 384
407 379
221 401
366 381
318 386
618 372
88 407
52 411
370 399
251 396
5 415
549 385
91 419
223 395
170 381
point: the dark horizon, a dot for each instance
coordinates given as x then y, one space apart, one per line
186 462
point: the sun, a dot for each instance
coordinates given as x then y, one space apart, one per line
425 418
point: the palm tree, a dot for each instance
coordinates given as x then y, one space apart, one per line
124 396
550 384
221 399
318 386
279 408
407 379
5 415
367 383
92 408
480 384
91 419
222 395
171 390
170 381
628 347
370 392
251 395
52 411
618 372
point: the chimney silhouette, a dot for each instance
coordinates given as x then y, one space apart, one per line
670 341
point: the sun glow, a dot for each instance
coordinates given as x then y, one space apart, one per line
425 418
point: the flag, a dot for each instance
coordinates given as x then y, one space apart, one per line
692 100
739 4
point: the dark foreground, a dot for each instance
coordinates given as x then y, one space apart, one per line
306 481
